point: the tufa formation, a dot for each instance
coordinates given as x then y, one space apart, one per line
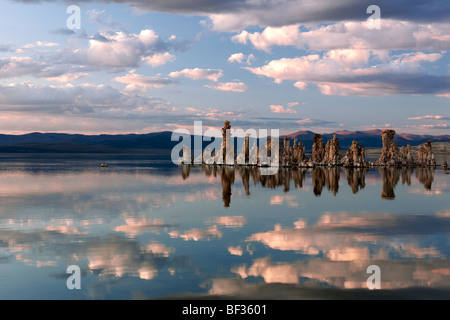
321 155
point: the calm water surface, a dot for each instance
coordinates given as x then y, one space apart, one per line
145 228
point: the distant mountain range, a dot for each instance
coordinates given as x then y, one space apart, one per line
78 143
160 142
370 139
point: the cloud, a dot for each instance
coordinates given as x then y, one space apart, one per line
357 72
159 59
69 77
106 50
442 126
230 221
281 109
242 58
17 66
140 83
395 35
285 13
44 44
283 36
212 114
197 73
197 234
135 226
336 231
97 108
232 15
120 50
430 117
229 86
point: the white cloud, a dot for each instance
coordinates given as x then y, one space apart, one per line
197 73
396 35
121 50
159 59
229 86
357 72
242 58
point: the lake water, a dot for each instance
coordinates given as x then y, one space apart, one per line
145 228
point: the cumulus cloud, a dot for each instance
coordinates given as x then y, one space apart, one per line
197 73
348 58
242 58
358 72
113 51
395 35
121 50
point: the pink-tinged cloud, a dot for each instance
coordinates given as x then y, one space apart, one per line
282 36
158 59
230 221
229 86
280 199
138 82
197 74
281 109
43 44
120 50
236 251
138 225
430 117
441 126
212 114
396 35
351 72
69 77
197 234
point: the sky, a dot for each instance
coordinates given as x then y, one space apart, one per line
136 66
